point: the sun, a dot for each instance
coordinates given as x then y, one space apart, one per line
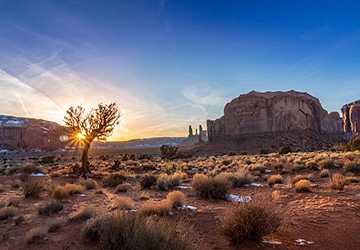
80 137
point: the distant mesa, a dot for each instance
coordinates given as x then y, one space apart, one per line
281 117
26 133
351 118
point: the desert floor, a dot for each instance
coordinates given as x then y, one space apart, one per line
325 218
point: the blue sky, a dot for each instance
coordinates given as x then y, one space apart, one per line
171 63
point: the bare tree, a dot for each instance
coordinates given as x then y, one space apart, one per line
98 124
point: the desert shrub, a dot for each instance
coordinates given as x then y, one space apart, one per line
147 181
168 151
165 182
337 182
353 167
51 207
59 193
297 178
2 188
285 150
325 173
13 202
250 221
54 225
351 179
123 188
114 179
123 203
239 178
352 145
72 189
175 199
88 183
7 212
161 208
36 235
83 214
128 232
303 186
275 179
328 164
211 187
32 188
47 159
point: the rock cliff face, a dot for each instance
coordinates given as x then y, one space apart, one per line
351 118
24 133
273 112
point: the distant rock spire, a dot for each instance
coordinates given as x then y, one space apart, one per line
200 133
190 131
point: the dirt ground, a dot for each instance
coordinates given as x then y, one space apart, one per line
324 218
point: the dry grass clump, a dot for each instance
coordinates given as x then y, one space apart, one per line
147 181
337 182
51 207
7 212
123 203
297 178
128 232
251 221
325 173
166 182
123 188
83 214
88 184
211 187
161 208
36 235
175 199
353 167
60 193
54 225
275 179
114 179
303 186
33 188
72 189
327 164
352 179
239 178
63 192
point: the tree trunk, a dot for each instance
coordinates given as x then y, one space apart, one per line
85 160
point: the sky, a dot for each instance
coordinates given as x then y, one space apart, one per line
171 63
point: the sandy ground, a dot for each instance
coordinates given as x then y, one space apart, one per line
327 219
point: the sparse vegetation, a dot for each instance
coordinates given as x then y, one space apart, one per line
7 212
32 188
128 232
123 203
83 214
211 187
337 182
285 150
148 181
275 179
114 180
303 186
36 235
168 151
50 208
250 221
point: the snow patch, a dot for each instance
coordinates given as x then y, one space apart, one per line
38 174
238 198
272 242
302 242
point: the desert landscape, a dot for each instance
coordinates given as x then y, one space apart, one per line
192 195
179 125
